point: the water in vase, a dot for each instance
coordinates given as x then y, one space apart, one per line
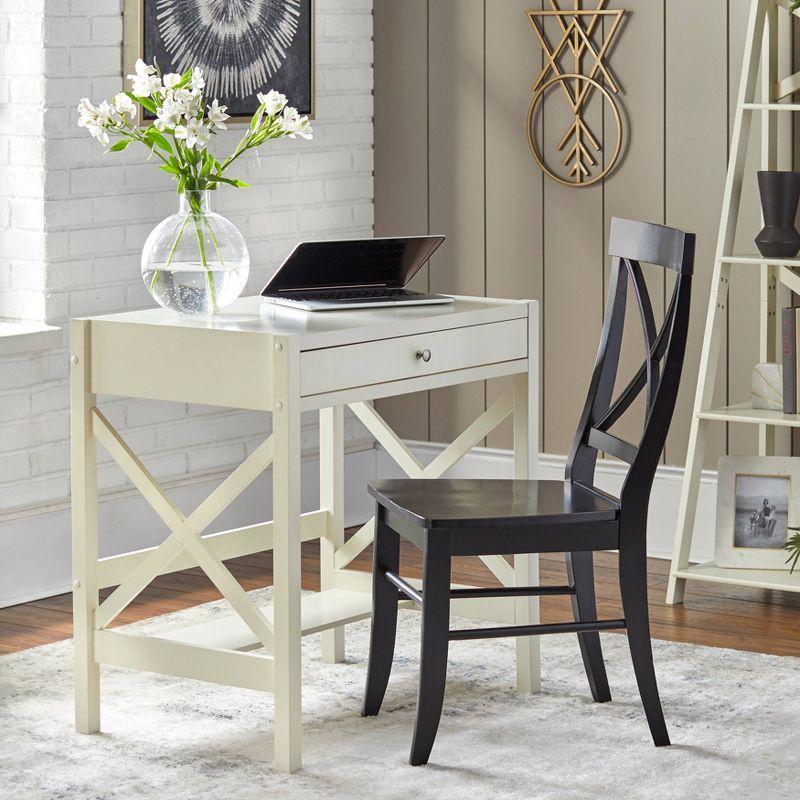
191 288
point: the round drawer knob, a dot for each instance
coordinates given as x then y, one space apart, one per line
425 355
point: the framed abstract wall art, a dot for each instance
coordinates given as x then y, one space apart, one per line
243 46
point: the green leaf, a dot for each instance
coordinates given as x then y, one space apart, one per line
156 136
172 170
184 81
144 102
792 547
256 121
232 182
117 146
208 164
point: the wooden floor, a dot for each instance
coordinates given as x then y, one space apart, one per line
721 616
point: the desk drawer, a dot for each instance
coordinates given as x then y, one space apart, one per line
334 368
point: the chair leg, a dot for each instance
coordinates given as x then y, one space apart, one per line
633 588
386 556
580 573
435 642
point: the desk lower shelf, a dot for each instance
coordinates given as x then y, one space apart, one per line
756 578
320 611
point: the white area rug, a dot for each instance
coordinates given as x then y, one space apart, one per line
734 718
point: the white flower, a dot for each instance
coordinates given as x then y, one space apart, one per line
190 101
95 119
99 133
170 79
217 115
105 113
124 105
295 125
87 112
197 82
169 114
273 100
145 81
194 133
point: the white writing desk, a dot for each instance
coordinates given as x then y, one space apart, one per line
255 356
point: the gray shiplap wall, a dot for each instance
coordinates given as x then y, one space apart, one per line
452 87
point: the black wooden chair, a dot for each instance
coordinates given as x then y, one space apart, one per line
446 518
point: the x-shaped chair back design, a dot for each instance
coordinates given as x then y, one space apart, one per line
630 243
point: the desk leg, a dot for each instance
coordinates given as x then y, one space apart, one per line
526 566
331 498
85 597
286 558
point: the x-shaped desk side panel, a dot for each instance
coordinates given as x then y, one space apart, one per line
411 465
185 530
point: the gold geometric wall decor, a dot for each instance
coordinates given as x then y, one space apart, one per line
582 43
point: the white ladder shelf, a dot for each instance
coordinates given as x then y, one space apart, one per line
761 45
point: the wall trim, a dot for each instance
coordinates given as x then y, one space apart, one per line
35 543
35 548
175 483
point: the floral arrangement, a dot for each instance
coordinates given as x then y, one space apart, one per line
182 127
184 124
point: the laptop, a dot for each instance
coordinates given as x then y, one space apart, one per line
356 273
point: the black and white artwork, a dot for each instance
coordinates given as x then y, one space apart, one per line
762 510
758 501
243 47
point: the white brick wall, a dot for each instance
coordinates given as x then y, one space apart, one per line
73 222
22 287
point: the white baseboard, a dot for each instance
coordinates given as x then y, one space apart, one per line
493 463
35 547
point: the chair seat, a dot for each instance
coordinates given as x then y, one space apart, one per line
464 503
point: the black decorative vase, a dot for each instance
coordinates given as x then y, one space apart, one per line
780 193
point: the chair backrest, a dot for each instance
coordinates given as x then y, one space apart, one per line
629 244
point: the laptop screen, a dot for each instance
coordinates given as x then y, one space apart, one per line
390 262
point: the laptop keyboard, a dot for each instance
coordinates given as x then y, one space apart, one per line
345 294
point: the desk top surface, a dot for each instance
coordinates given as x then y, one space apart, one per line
254 315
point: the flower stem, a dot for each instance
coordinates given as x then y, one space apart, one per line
171 253
209 276
214 241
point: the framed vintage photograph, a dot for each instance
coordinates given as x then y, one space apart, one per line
243 47
757 501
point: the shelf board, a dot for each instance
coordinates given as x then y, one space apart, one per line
771 106
759 260
745 413
786 267
774 579
320 611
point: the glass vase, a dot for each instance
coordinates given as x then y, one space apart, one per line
195 261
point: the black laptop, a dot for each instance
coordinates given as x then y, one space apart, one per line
356 273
